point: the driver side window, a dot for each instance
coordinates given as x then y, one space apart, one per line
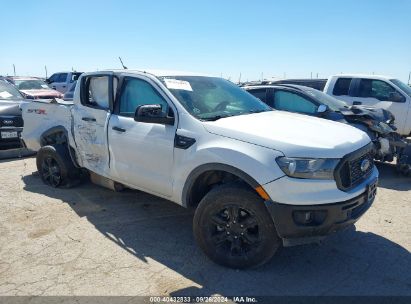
290 102
373 88
137 92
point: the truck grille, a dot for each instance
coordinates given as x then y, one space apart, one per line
349 172
11 121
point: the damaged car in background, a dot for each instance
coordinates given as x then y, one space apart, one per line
379 124
257 178
33 88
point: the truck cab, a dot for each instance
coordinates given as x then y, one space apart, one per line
377 91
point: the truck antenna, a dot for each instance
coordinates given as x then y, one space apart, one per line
121 61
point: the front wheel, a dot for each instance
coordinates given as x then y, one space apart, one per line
232 226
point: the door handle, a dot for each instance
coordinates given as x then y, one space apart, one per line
357 103
119 129
88 119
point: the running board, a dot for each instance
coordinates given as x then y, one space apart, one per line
106 182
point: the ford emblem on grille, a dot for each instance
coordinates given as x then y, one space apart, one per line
8 122
365 165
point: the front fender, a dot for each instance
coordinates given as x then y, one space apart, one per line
254 164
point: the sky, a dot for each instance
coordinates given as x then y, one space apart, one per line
254 38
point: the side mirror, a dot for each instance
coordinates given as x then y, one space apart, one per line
396 97
322 109
47 81
152 114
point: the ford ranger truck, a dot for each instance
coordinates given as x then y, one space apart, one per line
258 178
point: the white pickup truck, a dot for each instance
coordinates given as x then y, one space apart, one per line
258 178
62 81
377 91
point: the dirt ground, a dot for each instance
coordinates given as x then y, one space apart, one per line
91 241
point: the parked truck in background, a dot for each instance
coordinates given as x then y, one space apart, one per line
62 81
377 91
257 178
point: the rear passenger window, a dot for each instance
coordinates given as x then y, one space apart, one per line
97 90
290 102
342 86
260 94
62 78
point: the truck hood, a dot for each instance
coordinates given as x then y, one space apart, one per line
41 93
292 134
10 108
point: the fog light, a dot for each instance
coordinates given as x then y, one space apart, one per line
309 217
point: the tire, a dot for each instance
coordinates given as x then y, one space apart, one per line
234 229
55 166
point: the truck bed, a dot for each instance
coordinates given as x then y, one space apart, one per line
41 115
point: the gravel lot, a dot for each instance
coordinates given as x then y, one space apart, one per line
91 241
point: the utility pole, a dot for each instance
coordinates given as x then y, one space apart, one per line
45 68
262 76
409 78
311 75
239 79
317 75
14 69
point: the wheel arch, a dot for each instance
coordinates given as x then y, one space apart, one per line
59 135
55 135
204 177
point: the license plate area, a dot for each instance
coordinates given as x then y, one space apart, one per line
372 190
9 134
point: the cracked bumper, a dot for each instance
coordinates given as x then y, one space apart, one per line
301 224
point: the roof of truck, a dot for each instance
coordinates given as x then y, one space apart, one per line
370 76
161 73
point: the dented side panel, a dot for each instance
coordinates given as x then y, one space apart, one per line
40 116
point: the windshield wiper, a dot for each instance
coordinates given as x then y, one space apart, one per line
259 111
214 118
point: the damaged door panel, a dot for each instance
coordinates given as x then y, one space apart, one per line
91 118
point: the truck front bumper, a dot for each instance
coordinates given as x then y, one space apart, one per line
302 224
7 142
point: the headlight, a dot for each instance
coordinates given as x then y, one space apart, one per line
315 168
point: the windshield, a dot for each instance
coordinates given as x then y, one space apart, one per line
8 91
402 86
31 84
212 98
332 103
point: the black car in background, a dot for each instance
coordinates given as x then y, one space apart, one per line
377 123
11 121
